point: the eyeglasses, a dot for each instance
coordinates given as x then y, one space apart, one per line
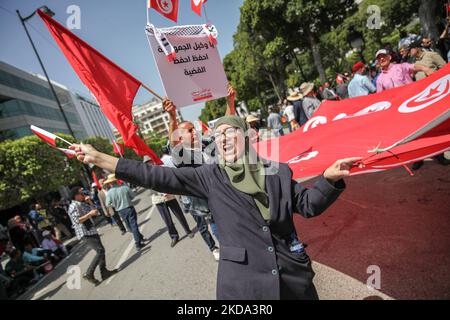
228 133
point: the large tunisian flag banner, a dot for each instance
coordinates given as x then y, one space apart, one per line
113 87
389 129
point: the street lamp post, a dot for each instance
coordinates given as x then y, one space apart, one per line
46 10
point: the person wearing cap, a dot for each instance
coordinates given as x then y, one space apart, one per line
119 197
81 212
253 202
300 117
360 85
428 59
310 102
396 74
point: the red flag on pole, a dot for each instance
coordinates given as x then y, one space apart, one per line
113 87
196 6
94 177
168 8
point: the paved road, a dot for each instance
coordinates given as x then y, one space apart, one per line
397 222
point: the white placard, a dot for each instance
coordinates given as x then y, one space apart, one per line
196 75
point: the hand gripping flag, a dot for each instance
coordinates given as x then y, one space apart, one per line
389 129
113 88
168 8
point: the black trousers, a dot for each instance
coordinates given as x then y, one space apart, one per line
163 209
99 260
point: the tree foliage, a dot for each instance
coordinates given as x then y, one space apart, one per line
30 169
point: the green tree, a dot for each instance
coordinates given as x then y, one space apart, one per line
30 169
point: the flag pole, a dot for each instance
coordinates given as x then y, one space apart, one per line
64 140
152 92
206 14
147 5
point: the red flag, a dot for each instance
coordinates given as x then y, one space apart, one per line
113 87
94 177
196 6
168 8
205 128
69 153
389 129
118 148
45 136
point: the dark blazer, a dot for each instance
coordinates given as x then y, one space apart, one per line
255 260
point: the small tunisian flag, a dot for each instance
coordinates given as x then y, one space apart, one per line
196 6
168 8
50 138
46 136
113 87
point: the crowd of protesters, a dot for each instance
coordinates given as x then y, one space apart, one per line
34 244
416 58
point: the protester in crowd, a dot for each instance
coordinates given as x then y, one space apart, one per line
289 114
341 87
395 56
253 122
59 218
18 270
164 202
20 232
119 198
444 39
261 257
429 59
297 101
166 157
310 102
188 152
395 74
34 256
80 213
328 93
37 217
404 54
360 85
274 121
54 245
109 212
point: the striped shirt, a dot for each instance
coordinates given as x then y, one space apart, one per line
76 211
